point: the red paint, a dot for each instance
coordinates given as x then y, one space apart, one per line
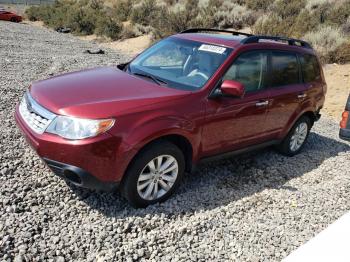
145 111
232 88
10 16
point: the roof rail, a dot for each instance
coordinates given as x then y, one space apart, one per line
290 41
198 30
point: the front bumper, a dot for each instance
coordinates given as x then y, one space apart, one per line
99 161
79 176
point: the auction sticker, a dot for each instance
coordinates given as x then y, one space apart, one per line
212 48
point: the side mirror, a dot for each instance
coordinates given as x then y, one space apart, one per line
232 88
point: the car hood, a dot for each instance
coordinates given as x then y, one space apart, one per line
99 93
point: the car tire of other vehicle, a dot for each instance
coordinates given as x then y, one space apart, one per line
296 138
154 174
14 19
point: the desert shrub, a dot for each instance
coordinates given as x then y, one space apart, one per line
122 9
233 16
288 8
169 21
35 13
130 31
52 15
270 25
142 29
83 16
325 40
340 55
304 22
170 2
340 13
259 4
314 4
106 26
145 12
346 27
320 12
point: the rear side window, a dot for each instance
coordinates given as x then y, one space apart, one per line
284 69
249 69
310 68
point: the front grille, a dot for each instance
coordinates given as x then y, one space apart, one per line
34 115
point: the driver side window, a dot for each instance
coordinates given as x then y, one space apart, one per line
250 70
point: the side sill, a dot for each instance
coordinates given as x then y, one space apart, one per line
236 152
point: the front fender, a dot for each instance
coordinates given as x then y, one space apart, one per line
156 128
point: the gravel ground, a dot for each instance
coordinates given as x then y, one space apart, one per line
256 207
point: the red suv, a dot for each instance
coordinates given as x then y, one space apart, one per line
190 97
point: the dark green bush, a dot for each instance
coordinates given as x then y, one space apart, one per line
106 26
168 21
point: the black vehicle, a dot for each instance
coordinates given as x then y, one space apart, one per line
344 132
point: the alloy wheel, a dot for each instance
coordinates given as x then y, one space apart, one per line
299 136
157 177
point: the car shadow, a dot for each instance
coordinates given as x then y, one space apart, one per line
221 182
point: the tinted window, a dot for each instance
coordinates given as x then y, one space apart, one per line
310 68
249 69
284 69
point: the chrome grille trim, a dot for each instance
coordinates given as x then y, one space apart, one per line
34 115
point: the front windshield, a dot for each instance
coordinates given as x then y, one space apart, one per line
181 64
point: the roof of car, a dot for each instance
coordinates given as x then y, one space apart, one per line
219 39
233 39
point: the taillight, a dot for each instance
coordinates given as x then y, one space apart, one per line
344 119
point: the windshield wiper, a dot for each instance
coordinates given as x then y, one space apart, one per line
155 79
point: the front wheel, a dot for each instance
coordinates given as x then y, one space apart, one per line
154 174
296 138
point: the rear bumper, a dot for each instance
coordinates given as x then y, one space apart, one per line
78 176
344 134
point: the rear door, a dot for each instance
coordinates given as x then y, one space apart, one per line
313 79
287 92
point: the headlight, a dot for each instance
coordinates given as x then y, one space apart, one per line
78 128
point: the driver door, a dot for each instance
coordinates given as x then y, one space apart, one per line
232 122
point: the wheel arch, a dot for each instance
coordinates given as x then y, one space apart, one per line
308 113
178 140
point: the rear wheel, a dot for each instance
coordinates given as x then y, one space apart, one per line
296 138
154 174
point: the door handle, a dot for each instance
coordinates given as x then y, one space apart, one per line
303 95
262 103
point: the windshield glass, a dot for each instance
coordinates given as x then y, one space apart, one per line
179 63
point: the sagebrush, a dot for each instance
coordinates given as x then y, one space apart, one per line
325 23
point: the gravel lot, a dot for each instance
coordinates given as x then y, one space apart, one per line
256 207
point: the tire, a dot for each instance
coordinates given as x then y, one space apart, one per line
14 19
140 173
286 147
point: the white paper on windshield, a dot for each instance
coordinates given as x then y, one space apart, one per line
212 48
